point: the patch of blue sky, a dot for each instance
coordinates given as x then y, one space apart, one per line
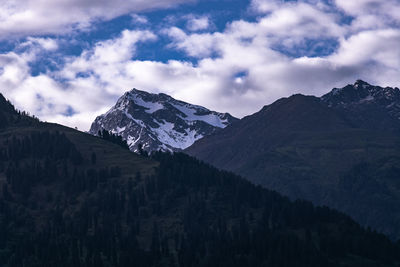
84 74
45 63
7 46
309 48
69 112
241 74
220 12
159 51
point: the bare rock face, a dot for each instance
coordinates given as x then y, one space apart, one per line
159 122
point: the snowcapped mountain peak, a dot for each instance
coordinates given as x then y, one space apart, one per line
158 121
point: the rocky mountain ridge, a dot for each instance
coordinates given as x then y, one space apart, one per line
159 122
366 105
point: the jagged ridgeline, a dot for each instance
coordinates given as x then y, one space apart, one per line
71 199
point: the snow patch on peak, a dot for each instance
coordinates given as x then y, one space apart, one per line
150 107
118 130
367 99
190 115
167 135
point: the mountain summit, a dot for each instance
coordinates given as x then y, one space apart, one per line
363 92
158 121
367 106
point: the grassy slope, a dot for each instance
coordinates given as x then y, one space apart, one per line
108 154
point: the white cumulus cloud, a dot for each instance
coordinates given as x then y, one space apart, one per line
34 17
198 23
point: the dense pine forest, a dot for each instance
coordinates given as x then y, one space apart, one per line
71 199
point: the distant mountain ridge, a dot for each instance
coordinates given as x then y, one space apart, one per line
341 150
158 121
363 92
367 106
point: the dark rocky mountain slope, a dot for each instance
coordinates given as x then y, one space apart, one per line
341 150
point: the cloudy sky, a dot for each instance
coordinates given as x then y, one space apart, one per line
68 61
